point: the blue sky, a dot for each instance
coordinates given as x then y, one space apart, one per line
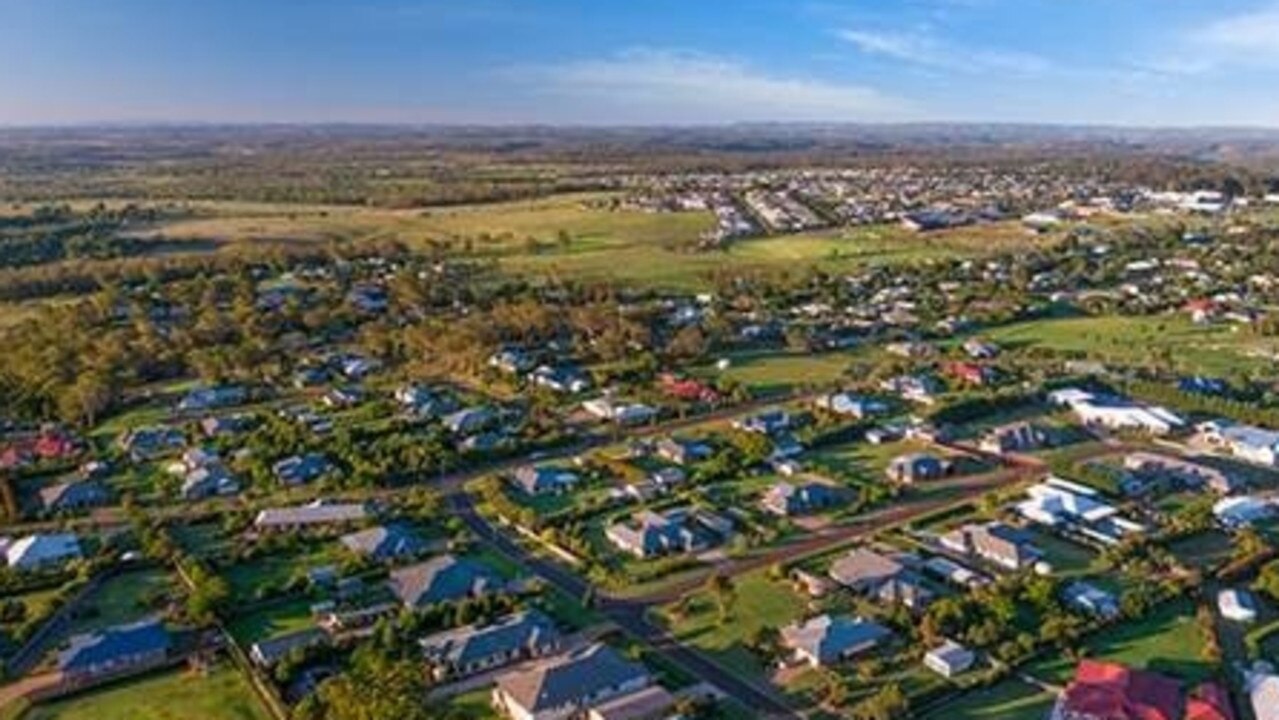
1130 62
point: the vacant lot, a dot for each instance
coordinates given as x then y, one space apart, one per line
178 695
1008 700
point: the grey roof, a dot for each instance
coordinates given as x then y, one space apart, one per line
442 579
311 514
272 650
571 678
528 630
73 493
122 641
829 638
863 568
384 541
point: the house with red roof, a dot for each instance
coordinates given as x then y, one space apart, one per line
1109 691
1209 702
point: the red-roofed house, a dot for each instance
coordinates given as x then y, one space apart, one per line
1109 691
1209 702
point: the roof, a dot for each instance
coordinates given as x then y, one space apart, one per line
828 638
1116 692
42 548
1209 702
91 649
441 579
468 644
272 650
311 513
384 541
570 678
1263 689
650 702
864 566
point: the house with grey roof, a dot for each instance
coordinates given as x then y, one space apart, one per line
443 579
829 639
569 685
313 514
301 469
211 480
114 650
1013 438
678 530
869 573
468 650
384 542
997 543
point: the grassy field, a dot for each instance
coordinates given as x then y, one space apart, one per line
769 373
122 599
1008 700
273 621
178 695
1208 349
760 602
1167 641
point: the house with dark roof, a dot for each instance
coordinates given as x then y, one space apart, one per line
42 550
73 495
301 469
568 686
545 479
468 650
1109 691
114 650
443 579
915 467
266 653
384 542
682 452
869 573
1013 438
677 530
786 499
211 480
827 639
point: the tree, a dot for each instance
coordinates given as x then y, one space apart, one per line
1268 579
722 589
889 703
376 687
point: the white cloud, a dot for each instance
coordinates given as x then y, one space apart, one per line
1253 34
646 85
925 49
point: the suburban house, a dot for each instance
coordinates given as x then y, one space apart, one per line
384 542
678 530
209 398
1146 471
1210 701
1013 438
208 480
545 479
651 703
869 573
1237 605
786 499
1262 685
469 421
770 422
949 659
34 552
994 542
1109 691
622 413
1242 510
73 495
1115 413
146 443
312 514
1064 505
301 469
915 467
560 378
443 579
682 452
849 405
114 650
970 373
828 639
464 651
568 686
1088 598
266 653
1246 442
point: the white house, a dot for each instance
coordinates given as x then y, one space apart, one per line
1115 413
1262 686
1241 510
1237 605
949 659
1062 504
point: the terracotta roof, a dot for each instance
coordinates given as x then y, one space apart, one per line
1115 692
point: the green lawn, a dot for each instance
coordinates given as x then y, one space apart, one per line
275 620
276 570
474 705
780 372
760 602
174 695
1067 558
1209 349
1008 700
1167 641
121 599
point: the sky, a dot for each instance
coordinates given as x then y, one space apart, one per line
641 62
